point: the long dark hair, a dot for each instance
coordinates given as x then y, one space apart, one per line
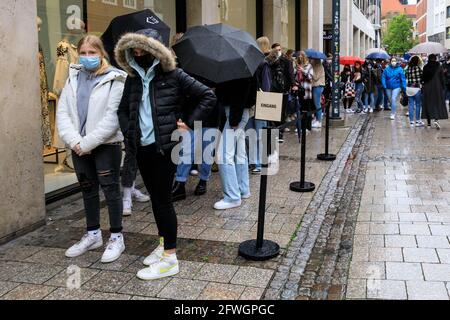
414 62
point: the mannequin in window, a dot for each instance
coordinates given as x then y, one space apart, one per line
45 116
66 54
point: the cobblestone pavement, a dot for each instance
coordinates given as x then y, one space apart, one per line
34 266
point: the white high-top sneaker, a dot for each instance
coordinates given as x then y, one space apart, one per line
114 250
88 242
156 255
166 267
139 196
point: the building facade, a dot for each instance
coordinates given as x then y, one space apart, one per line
422 20
41 40
447 25
436 19
390 9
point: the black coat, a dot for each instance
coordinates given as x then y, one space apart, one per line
433 93
170 89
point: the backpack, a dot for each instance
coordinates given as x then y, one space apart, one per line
278 78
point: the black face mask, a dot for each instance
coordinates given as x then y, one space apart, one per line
145 61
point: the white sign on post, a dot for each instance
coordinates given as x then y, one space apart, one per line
269 106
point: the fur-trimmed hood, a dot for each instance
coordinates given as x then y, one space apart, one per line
154 47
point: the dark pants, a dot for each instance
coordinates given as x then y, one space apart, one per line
101 168
158 172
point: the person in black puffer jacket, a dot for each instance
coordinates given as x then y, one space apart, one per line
152 108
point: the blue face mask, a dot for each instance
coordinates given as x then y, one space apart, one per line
90 63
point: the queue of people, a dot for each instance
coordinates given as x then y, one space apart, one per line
140 106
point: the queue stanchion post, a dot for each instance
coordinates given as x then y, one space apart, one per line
260 249
303 186
327 156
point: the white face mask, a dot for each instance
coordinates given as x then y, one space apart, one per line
279 54
394 64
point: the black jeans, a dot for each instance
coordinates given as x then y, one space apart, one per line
101 168
158 172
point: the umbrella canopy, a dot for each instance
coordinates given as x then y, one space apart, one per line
429 48
351 60
375 50
133 22
218 53
378 56
314 54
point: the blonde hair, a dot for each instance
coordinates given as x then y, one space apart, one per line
96 43
264 44
302 58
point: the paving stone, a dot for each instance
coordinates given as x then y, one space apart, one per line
216 273
71 277
386 290
103 296
437 230
356 289
9 269
37 274
120 264
28 292
67 294
18 253
403 271
384 229
420 255
221 291
394 241
5 287
252 294
108 281
183 289
436 272
444 255
137 287
367 270
252 277
426 290
438 242
414 229
386 254
215 234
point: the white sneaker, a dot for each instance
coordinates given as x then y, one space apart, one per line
156 255
407 114
420 124
166 267
139 196
127 207
223 205
392 117
194 173
349 111
370 110
114 250
87 243
316 125
247 196
437 125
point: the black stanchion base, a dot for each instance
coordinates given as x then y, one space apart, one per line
335 118
326 157
306 187
269 250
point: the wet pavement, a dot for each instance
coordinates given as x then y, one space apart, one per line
377 226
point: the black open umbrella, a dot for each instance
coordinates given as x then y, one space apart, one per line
133 22
218 53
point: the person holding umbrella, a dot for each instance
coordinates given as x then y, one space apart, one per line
394 81
434 92
149 113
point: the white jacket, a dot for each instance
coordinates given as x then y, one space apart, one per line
102 124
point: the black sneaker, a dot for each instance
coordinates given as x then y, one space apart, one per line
179 191
201 188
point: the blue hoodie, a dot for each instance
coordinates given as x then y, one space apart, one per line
393 78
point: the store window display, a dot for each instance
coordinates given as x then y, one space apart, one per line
240 14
